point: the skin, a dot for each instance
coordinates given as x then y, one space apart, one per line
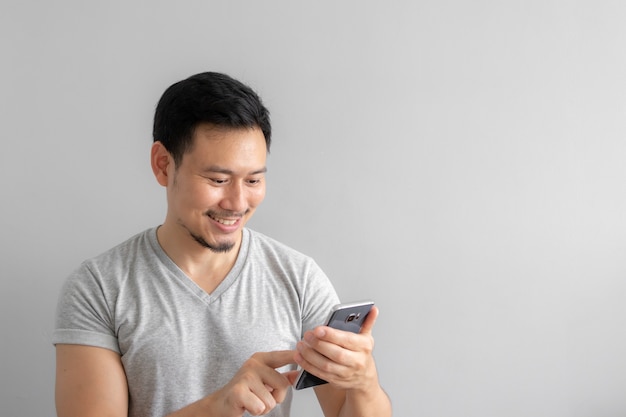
211 195
220 180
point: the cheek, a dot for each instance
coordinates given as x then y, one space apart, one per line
196 196
256 197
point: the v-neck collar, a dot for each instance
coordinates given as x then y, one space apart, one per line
178 273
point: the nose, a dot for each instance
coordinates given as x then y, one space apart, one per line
235 198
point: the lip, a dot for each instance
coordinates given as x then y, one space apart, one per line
226 228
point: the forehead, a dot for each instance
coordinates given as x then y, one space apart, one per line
227 146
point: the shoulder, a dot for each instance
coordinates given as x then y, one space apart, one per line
270 247
268 256
112 266
126 252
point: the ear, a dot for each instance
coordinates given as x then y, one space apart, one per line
160 159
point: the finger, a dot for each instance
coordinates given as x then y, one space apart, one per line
244 396
319 365
273 383
275 359
265 400
326 339
291 376
306 357
370 320
342 337
322 356
277 385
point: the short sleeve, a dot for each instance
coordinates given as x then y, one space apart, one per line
319 298
84 313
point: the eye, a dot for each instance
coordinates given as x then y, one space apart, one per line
254 181
219 181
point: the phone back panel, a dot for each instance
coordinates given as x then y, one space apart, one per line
349 318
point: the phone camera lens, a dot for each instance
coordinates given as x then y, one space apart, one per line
352 317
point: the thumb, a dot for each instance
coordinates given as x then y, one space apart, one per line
370 320
291 376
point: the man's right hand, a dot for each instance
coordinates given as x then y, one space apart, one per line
256 388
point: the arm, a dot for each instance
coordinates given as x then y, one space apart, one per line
90 382
345 360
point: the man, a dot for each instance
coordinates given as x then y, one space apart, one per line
202 316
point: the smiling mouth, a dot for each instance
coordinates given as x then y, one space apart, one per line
225 222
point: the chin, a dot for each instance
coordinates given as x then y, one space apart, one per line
217 247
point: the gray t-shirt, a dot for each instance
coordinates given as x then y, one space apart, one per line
177 342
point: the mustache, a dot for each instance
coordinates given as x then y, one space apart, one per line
231 214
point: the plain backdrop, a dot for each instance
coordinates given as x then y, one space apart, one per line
462 163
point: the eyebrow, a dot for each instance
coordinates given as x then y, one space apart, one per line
226 171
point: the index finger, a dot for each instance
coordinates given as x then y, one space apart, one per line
276 359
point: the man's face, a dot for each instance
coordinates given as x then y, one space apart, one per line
218 185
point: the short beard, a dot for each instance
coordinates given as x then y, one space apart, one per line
219 248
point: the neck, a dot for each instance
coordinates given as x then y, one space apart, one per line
202 265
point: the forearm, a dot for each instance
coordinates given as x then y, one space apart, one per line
370 403
200 408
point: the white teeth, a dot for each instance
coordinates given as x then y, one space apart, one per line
225 222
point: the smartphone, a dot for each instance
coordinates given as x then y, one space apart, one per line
348 317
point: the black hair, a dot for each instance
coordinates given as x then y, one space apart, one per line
208 97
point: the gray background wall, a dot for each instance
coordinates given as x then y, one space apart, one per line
460 162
